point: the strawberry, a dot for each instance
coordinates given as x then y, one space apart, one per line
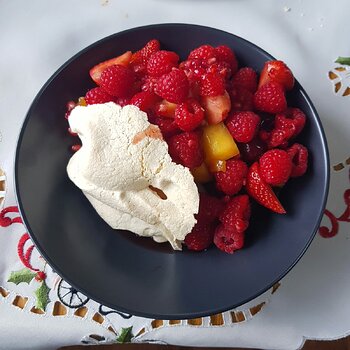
165 109
216 107
96 71
270 98
278 72
258 189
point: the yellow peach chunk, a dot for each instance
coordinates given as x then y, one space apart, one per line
218 143
201 174
81 101
217 165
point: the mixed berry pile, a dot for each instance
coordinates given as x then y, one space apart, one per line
230 126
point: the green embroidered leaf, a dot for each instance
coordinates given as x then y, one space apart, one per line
125 335
23 275
343 60
42 296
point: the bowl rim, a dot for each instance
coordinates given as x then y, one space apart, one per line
182 315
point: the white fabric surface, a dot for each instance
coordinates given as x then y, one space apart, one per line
36 37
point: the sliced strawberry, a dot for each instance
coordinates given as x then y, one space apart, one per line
216 107
278 72
123 60
258 189
165 109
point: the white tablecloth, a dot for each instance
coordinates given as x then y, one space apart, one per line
312 301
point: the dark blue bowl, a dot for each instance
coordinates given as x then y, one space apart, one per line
136 275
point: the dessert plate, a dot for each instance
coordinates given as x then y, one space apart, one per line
136 275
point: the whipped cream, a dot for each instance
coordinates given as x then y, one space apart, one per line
125 171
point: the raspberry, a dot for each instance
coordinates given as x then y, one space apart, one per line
150 48
287 125
204 52
277 137
189 115
299 156
292 116
186 149
173 86
75 147
236 215
167 126
241 99
140 58
247 78
194 69
148 83
209 208
212 84
251 151
221 68
98 95
270 98
201 236
71 132
243 126
144 100
161 62
225 54
228 239
117 80
275 167
123 101
232 180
